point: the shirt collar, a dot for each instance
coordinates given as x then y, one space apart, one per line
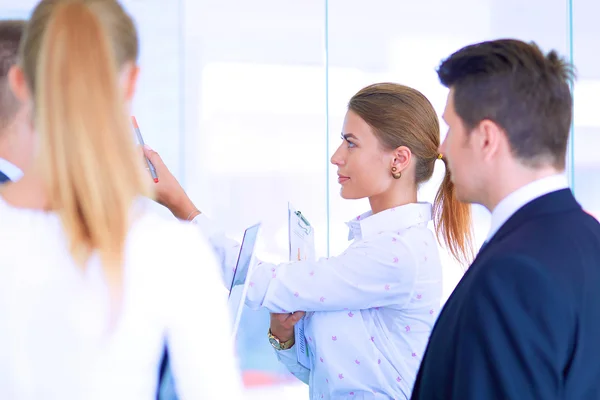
13 172
517 199
393 219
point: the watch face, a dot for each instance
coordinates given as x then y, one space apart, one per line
275 343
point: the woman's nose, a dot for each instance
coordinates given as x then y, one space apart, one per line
337 158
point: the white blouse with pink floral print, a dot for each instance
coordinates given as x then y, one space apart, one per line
370 310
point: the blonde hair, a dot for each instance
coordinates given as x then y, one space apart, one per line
72 54
402 116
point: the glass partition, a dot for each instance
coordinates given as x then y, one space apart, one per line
585 159
255 138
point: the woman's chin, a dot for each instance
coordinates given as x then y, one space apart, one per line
349 195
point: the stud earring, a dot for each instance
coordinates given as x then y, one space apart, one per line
395 174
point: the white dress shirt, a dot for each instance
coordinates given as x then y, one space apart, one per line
55 340
13 172
370 310
517 199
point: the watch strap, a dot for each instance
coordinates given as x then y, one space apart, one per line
279 345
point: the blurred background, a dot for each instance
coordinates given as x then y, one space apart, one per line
245 103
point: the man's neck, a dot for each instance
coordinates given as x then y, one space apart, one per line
520 177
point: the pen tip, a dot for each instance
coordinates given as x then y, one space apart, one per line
155 180
134 122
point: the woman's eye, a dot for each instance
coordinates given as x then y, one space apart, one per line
350 144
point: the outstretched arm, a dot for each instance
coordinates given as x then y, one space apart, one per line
371 274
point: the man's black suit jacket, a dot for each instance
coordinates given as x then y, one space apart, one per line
524 322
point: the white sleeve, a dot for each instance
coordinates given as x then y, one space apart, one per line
289 358
375 273
201 350
367 275
226 249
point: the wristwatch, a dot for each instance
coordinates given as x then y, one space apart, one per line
277 345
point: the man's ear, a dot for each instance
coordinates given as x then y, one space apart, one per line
488 136
18 84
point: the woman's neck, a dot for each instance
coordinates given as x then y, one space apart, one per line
387 200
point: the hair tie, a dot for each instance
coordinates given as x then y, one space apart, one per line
440 156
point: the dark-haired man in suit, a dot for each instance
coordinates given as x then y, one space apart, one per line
16 133
524 321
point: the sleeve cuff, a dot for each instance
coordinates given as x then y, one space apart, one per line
287 357
206 225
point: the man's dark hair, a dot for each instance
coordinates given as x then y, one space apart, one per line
515 85
11 32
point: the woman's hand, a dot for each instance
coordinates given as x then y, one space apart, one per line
168 191
282 325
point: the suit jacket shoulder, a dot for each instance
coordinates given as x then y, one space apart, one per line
522 323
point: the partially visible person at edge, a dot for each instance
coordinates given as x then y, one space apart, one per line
370 310
91 284
16 132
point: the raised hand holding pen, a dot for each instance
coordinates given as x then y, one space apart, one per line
168 191
151 168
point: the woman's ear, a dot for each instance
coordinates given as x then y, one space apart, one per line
18 84
401 158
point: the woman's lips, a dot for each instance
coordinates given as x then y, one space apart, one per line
342 179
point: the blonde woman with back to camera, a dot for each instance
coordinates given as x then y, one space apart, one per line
370 310
92 285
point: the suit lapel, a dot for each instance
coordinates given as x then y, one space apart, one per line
555 202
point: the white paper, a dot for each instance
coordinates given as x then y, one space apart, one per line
301 237
302 248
